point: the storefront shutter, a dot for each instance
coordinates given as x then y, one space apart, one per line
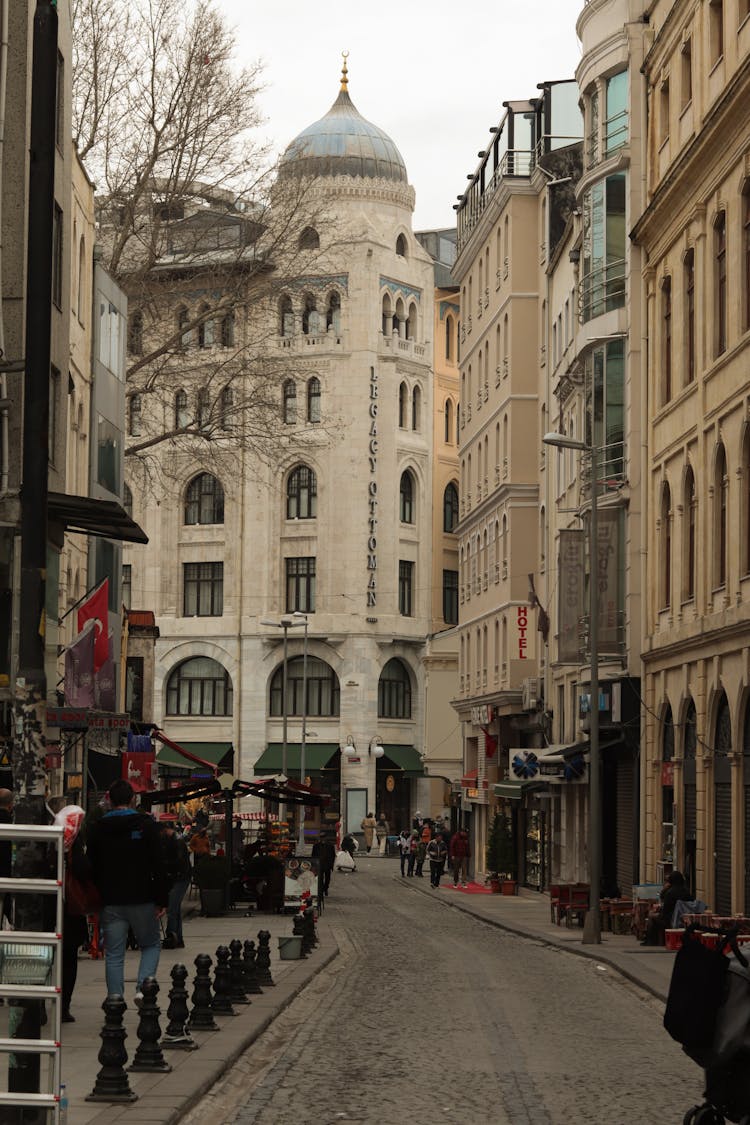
723 848
625 809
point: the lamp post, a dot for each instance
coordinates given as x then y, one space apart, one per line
285 623
592 929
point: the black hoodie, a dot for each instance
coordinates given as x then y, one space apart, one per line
127 859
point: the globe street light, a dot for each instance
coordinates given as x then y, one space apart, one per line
592 929
286 623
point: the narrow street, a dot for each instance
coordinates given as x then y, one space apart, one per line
417 1019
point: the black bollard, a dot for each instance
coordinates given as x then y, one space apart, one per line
298 929
308 941
237 990
263 959
112 1084
221 1003
177 1037
313 926
251 973
202 1017
148 1056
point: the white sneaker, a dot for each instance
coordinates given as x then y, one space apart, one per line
138 999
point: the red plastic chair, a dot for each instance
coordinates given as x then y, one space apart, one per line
579 904
554 902
563 903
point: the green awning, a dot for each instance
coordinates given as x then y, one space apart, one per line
406 758
317 756
514 788
219 754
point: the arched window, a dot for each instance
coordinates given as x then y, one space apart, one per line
205 328
666 322
227 330
402 394
411 322
449 337
180 410
226 406
722 849
135 332
667 755
286 316
720 282
290 402
333 313
199 686
416 406
310 316
745 508
313 399
203 413
387 315
204 500
322 689
401 246
301 494
394 691
82 282
135 422
400 320
183 319
448 420
721 486
309 239
666 547
406 498
688 551
127 500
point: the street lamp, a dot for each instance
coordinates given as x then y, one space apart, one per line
285 623
592 929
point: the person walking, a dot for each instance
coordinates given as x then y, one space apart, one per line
177 861
382 831
436 853
404 844
129 872
79 899
421 854
460 852
368 826
413 841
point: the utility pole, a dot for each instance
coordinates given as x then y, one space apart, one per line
30 697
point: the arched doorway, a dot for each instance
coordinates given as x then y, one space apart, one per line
723 810
689 797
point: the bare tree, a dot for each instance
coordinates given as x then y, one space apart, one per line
193 224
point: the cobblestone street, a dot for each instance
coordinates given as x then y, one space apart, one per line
417 1019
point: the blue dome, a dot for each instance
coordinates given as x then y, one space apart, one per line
343 143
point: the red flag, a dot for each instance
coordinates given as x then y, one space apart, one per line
96 609
138 769
79 669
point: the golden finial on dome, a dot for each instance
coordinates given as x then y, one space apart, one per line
344 71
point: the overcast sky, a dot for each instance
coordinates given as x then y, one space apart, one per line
432 73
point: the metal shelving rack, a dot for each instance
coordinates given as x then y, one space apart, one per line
52 989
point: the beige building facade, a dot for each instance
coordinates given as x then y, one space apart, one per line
695 236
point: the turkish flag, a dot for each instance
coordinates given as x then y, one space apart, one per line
96 609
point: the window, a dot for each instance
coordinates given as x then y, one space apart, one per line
227 330
450 597
180 410
60 102
746 256
720 273
690 314
616 122
592 141
309 239
286 316
387 316
203 589
666 320
199 686
204 500
721 488
405 588
604 235
689 536
322 689
127 579
449 337
183 319
127 501
401 246
310 316
604 379
57 256
416 403
226 405
716 29
205 328
313 400
406 498
410 329
290 402
302 494
135 333
108 453
664 111
82 287
333 314
394 691
402 395
135 426
300 585
686 74
111 329
52 425
203 413
448 420
666 547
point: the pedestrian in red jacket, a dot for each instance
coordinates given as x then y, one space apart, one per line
460 851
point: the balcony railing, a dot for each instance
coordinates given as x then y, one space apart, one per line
601 290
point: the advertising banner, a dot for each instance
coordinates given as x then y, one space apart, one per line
570 587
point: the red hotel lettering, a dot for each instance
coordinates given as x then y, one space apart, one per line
523 624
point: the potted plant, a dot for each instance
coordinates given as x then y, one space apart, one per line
501 856
212 879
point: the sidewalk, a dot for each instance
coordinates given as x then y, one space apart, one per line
528 914
164 1098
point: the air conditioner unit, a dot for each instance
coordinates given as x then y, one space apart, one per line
529 694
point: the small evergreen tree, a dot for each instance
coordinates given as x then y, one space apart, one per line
501 852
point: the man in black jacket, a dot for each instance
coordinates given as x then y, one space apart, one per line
128 869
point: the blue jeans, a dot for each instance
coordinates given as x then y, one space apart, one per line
115 921
174 907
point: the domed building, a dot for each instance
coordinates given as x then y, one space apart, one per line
336 531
